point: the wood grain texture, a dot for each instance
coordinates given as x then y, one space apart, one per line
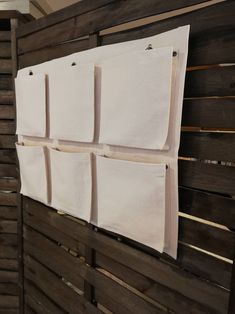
5 36
165 274
208 177
208 145
6 97
7 111
5 49
208 206
7 141
5 66
211 33
5 88
216 113
122 11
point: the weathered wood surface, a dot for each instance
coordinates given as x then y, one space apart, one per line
42 218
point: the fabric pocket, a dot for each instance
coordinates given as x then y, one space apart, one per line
31 105
71 183
33 172
131 200
71 103
135 99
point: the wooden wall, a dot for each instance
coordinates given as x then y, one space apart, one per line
70 267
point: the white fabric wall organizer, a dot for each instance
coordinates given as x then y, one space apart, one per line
135 98
31 104
122 101
33 172
131 200
71 183
71 103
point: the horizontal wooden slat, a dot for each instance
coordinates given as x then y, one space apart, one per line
50 53
8 239
215 81
5 36
7 156
56 289
159 271
69 263
10 311
9 302
5 66
209 113
208 206
8 276
208 177
7 111
8 212
208 145
51 257
38 301
8 264
8 252
9 289
209 238
7 141
5 49
7 127
211 33
204 265
8 199
96 16
8 184
5 87
8 226
7 170
173 300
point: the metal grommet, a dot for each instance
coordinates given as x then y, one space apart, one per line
30 72
174 53
149 47
73 64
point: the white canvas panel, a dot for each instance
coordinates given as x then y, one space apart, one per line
31 105
33 172
131 200
71 103
135 98
71 183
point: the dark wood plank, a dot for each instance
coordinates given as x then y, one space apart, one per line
7 156
8 277
207 237
8 199
9 289
5 36
8 239
9 302
209 113
8 184
7 141
8 252
122 11
9 311
208 177
208 206
7 111
5 66
52 256
232 291
38 301
8 264
173 300
208 145
215 81
204 265
56 289
5 49
8 226
211 33
7 127
157 270
7 170
8 212
53 52
5 87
